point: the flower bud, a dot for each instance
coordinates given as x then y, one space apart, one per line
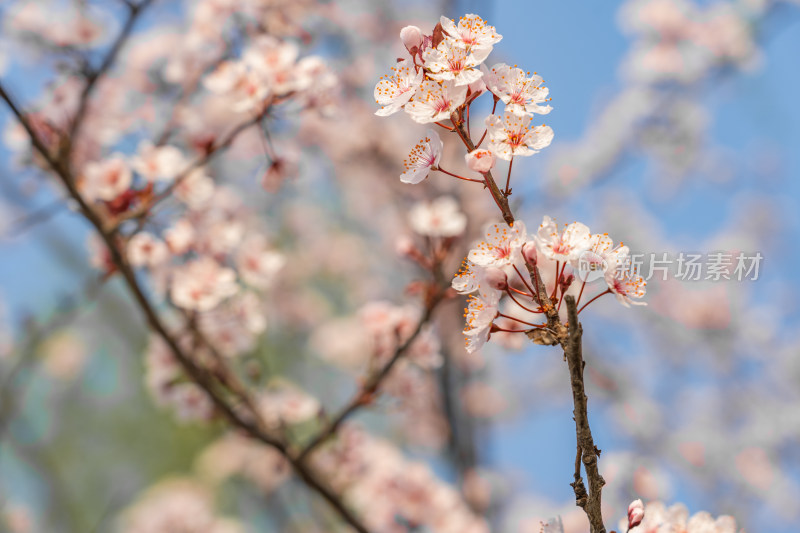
404 246
496 278
529 252
635 513
480 160
411 37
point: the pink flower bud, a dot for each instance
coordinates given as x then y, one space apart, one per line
404 246
635 513
529 252
496 278
411 37
480 160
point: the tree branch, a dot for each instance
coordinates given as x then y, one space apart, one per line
364 396
587 451
251 425
135 10
570 340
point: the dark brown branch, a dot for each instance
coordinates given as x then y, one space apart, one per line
135 10
587 451
144 209
251 425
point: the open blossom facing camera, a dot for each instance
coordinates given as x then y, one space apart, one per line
145 249
105 180
471 33
423 158
501 246
564 245
513 135
435 101
451 62
202 284
393 92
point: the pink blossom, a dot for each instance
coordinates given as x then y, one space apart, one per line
245 88
480 313
471 33
107 179
440 218
274 61
635 513
158 163
435 101
521 94
451 62
513 135
566 245
258 263
423 158
501 246
626 285
201 284
195 189
393 92
145 249
179 237
480 160
411 37
658 517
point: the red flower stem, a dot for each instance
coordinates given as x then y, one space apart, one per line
555 289
607 291
469 132
525 282
498 328
521 293
521 321
508 177
583 286
440 169
511 295
494 107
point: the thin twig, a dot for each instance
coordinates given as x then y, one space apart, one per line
370 388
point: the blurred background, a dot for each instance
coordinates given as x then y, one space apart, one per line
676 131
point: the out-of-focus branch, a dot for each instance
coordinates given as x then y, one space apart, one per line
368 391
135 10
34 218
252 424
210 153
